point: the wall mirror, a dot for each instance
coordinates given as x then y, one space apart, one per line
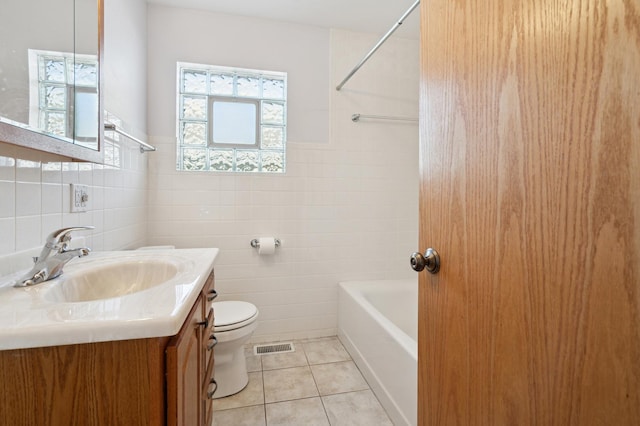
50 97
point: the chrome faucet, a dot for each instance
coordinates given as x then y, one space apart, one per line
53 257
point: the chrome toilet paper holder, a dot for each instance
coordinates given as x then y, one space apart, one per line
255 243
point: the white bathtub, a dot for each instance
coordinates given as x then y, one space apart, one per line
378 324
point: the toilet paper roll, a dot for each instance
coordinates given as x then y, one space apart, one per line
267 245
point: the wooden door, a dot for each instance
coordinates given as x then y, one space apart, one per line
530 191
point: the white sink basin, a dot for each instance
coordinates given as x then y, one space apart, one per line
111 280
106 296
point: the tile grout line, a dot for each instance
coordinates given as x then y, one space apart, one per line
264 393
315 382
264 396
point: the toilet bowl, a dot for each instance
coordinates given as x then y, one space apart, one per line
233 325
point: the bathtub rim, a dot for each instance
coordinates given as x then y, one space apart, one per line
406 341
406 347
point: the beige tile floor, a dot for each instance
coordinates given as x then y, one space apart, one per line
318 384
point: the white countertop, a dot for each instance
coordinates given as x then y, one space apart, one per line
30 316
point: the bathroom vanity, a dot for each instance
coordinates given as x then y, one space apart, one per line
189 365
143 358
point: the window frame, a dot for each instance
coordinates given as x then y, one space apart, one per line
211 143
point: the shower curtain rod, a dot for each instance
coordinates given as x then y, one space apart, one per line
382 40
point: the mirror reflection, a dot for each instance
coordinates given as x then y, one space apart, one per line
49 68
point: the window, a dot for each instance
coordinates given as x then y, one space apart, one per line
231 119
234 122
64 95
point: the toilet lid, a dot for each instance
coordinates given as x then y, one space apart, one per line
229 315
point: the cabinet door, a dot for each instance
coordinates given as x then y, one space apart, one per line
62 34
184 372
209 294
208 339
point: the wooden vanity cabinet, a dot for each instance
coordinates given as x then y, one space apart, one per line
190 384
209 341
184 370
156 381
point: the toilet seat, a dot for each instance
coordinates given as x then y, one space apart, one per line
231 315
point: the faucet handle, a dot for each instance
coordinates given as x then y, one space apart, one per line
64 235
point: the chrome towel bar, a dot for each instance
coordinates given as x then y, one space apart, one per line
357 117
144 147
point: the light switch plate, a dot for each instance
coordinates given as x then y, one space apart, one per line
79 198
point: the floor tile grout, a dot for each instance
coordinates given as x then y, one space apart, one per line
332 350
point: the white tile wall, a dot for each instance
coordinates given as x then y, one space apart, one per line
35 200
346 209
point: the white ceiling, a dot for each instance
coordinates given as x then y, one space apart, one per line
371 16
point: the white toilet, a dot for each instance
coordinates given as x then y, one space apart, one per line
233 325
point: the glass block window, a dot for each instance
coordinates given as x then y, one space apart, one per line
231 119
64 94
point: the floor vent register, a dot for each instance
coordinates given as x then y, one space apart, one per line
277 348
